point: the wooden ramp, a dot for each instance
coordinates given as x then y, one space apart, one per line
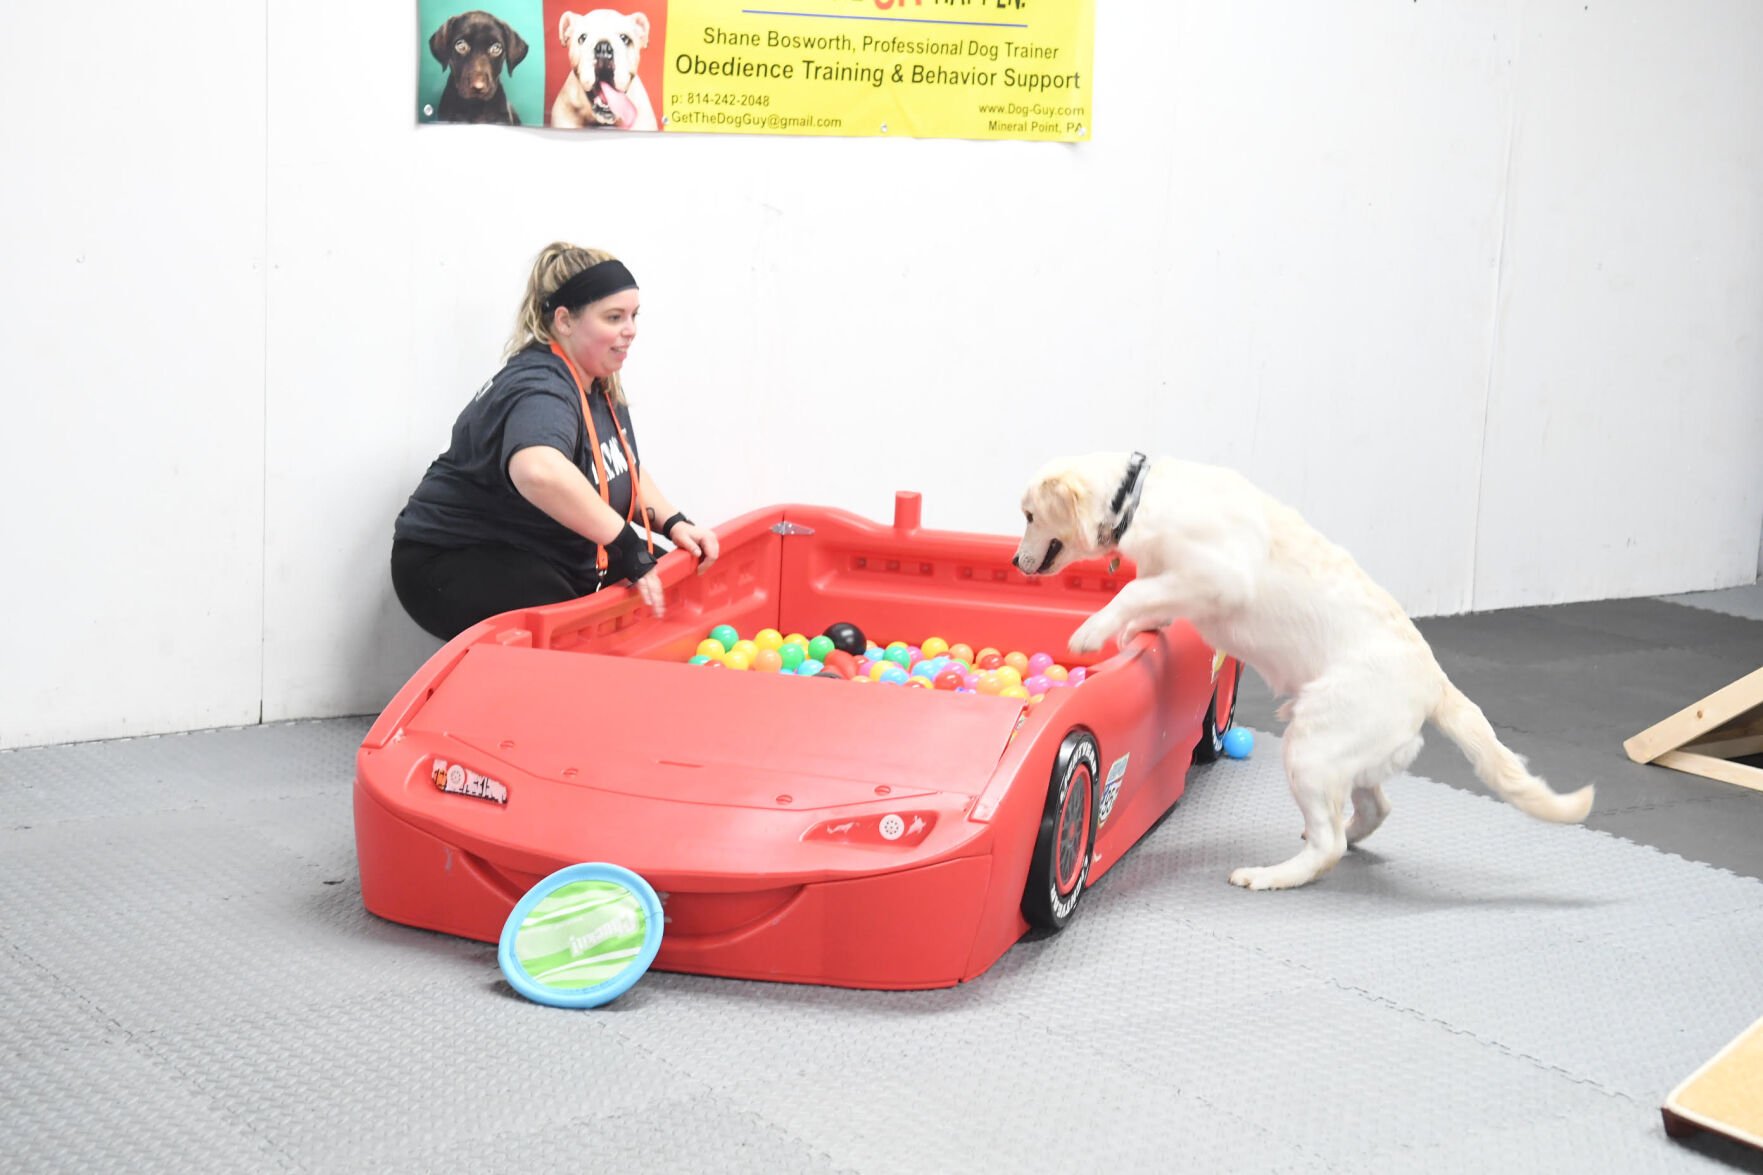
1725 1096
1704 738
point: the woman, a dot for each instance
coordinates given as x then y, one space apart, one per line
540 494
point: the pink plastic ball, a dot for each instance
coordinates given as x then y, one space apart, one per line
1038 663
1037 683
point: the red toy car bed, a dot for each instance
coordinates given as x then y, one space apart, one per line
798 829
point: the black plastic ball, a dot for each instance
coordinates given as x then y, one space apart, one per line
848 637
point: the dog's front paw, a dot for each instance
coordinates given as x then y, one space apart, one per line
1089 637
1257 877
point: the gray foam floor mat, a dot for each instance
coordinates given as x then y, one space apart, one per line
193 985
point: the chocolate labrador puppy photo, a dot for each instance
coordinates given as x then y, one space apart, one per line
473 47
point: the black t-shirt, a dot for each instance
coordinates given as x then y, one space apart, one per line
466 498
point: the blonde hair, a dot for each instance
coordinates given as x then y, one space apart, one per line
556 263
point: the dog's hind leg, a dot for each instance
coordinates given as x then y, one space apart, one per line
1370 806
1320 788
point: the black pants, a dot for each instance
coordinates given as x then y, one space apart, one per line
449 589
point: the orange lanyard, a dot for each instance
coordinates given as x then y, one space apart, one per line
630 458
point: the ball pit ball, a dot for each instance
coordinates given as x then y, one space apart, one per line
846 637
1239 742
843 652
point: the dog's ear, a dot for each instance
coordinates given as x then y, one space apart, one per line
641 20
563 24
516 46
441 44
1061 497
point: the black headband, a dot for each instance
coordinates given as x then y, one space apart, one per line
590 285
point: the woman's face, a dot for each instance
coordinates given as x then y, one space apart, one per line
598 335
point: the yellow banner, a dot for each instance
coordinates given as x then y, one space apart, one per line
966 69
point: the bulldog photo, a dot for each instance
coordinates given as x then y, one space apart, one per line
603 89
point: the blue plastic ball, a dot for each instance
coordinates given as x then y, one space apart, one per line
1239 742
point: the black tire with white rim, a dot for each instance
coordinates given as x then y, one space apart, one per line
1060 867
1212 731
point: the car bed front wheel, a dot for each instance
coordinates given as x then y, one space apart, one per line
1224 702
1061 864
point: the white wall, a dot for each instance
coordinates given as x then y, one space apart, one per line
1476 287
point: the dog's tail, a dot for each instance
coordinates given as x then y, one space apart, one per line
1463 723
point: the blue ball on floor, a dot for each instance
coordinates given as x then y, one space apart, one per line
1239 742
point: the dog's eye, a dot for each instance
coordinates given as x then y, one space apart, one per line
625 37
461 48
496 49
1029 516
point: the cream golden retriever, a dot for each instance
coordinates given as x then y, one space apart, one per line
1259 582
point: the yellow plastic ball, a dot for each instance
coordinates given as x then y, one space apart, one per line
768 638
933 646
747 647
736 659
712 648
1013 691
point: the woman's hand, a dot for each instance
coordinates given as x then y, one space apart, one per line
698 541
649 588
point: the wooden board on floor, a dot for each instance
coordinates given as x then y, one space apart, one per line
1725 1096
1705 737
